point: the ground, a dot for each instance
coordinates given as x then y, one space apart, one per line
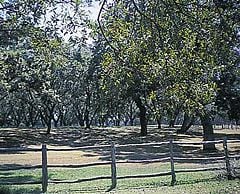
75 136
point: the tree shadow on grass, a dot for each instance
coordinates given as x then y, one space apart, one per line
14 190
15 173
14 166
16 178
73 137
85 189
217 177
12 182
153 185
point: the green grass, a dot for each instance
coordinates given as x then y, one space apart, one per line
200 182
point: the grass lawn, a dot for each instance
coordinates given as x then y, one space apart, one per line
200 182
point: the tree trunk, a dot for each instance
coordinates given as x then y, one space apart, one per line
55 123
48 122
187 123
131 121
125 122
30 119
42 121
159 122
61 120
142 115
173 118
171 123
87 121
131 115
79 117
118 120
49 127
208 134
47 116
87 113
34 118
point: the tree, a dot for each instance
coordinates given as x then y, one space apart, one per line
188 121
134 78
174 46
33 51
228 96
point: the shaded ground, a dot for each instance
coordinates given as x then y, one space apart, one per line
74 137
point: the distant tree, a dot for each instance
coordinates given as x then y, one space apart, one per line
228 96
33 51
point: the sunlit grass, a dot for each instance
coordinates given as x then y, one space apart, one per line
200 182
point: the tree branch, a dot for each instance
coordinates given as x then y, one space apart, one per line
101 28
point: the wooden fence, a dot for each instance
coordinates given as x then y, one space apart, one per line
112 148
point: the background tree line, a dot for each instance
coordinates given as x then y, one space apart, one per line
152 60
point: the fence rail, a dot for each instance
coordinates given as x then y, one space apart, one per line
202 159
168 157
80 180
144 161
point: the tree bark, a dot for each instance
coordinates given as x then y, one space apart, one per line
208 133
131 114
55 123
87 113
118 120
87 120
171 123
142 115
61 120
159 122
47 116
101 121
173 118
125 122
131 121
79 117
49 126
187 123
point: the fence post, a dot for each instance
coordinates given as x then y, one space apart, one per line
172 162
113 166
44 169
228 166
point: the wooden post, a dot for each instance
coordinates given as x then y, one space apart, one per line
172 162
113 166
228 166
44 169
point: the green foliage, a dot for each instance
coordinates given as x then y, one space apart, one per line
43 63
166 54
176 48
228 95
